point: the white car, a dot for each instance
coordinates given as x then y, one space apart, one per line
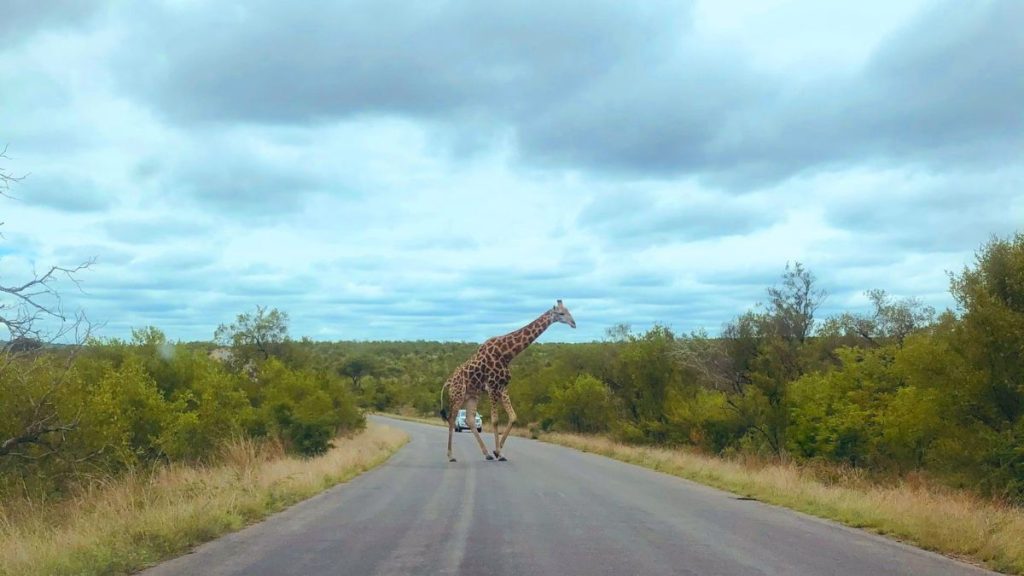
460 422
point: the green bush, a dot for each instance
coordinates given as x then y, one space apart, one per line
702 419
304 409
585 405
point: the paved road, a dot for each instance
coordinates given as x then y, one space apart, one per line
550 510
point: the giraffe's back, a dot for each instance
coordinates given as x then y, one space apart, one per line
484 371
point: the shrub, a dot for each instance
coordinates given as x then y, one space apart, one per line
304 409
583 406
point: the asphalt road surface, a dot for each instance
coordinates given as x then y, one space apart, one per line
549 510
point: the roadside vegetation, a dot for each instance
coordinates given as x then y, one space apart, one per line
108 407
953 522
139 518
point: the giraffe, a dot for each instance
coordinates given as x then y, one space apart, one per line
487 371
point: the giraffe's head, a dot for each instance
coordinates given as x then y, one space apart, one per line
561 314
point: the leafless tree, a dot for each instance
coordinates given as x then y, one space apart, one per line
6 178
34 318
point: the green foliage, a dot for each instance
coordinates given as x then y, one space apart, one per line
909 424
703 419
642 375
130 416
357 368
992 298
946 395
835 415
255 335
31 393
585 405
135 404
219 409
304 409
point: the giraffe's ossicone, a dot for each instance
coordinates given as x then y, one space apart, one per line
487 371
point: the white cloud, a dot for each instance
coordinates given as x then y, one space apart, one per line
802 37
455 211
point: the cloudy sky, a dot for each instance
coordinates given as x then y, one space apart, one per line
446 170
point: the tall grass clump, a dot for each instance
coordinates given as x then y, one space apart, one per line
142 516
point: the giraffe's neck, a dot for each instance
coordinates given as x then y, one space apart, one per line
520 339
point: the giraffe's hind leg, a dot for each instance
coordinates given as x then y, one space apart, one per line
451 429
455 401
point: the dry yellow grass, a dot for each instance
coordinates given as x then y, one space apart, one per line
139 519
947 521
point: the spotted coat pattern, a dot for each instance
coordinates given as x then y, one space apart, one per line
487 372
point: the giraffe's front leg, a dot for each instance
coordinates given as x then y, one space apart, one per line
471 419
494 423
506 402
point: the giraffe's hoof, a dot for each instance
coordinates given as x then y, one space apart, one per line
451 459
489 457
502 459
497 454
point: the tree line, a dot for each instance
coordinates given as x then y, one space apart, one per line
76 413
901 388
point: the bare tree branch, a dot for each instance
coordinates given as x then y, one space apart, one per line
33 313
36 433
6 178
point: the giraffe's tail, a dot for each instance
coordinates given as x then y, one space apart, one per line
444 410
